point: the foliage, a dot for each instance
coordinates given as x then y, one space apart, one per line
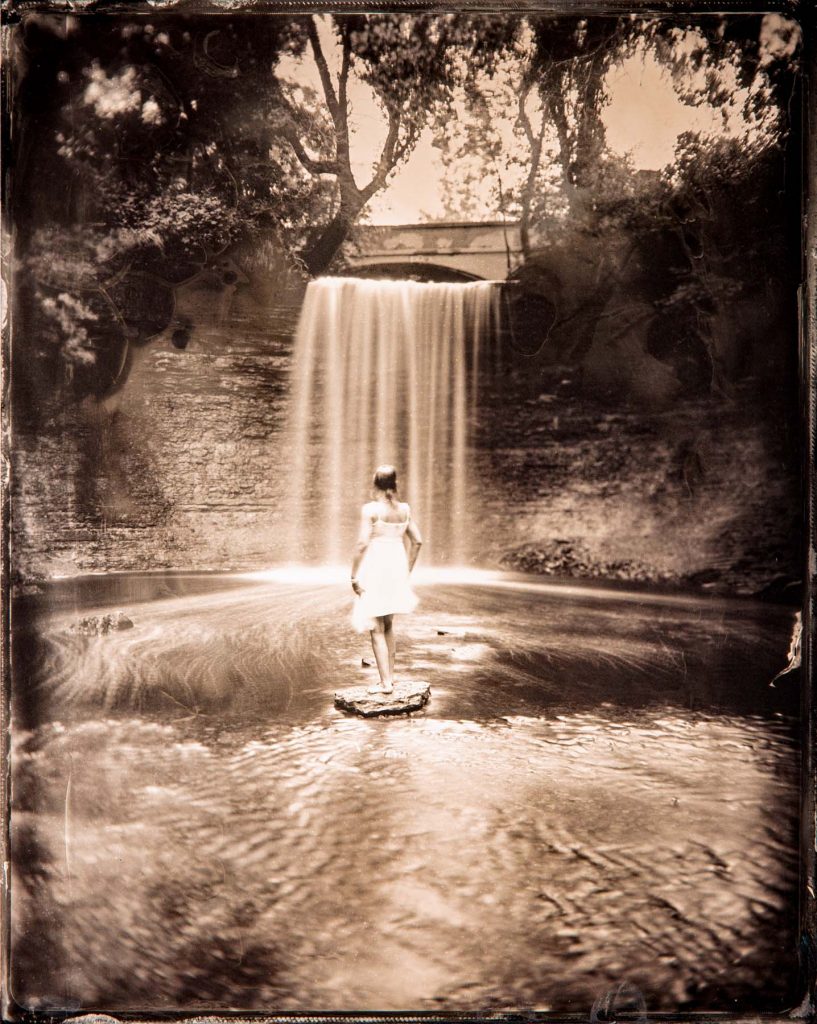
693 257
71 318
173 137
166 140
551 71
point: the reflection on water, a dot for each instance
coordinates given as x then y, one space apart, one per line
603 788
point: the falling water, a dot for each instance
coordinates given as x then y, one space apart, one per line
385 372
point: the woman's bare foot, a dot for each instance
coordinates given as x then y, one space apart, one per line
382 688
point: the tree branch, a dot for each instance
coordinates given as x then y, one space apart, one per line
285 123
559 117
343 80
386 161
536 144
323 69
342 146
523 118
310 163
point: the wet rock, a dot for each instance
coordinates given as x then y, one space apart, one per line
26 585
100 625
407 696
782 589
703 578
571 559
451 631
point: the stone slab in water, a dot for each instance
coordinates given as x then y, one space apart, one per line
405 697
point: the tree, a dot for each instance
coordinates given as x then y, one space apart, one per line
170 138
551 71
569 63
133 125
409 62
748 63
164 141
673 241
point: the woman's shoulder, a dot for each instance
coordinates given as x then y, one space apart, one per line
371 508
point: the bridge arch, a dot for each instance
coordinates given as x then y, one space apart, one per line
475 251
415 271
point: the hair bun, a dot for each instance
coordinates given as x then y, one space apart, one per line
385 479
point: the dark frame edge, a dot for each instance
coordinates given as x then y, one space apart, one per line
6 249
13 10
808 399
804 11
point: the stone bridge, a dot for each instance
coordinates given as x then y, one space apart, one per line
450 250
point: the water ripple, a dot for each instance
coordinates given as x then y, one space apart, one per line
591 796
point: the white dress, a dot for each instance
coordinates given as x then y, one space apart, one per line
384 575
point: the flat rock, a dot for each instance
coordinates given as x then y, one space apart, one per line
456 631
407 696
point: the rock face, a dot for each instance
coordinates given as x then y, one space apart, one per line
101 625
406 697
186 467
183 466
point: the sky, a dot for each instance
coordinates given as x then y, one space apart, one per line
644 118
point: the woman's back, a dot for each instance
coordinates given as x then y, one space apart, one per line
388 519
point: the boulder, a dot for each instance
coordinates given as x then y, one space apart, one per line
407 696
101 625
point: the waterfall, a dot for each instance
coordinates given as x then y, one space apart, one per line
385 372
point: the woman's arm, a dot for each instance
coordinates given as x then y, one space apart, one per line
415 543
364 536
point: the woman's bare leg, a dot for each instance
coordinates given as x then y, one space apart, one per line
381 656
388 632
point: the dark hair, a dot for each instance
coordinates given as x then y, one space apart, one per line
385 479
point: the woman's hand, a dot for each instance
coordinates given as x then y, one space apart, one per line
415 543
362 545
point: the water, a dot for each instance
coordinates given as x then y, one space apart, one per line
602 789
385 372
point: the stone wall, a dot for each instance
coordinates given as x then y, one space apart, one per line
704 493
182 467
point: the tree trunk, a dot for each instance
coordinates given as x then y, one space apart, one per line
528 191
325 242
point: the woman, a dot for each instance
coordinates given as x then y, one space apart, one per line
380 570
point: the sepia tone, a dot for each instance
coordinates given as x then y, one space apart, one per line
545 266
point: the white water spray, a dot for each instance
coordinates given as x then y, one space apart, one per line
385 372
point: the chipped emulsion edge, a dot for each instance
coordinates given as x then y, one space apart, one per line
12 10
791 8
